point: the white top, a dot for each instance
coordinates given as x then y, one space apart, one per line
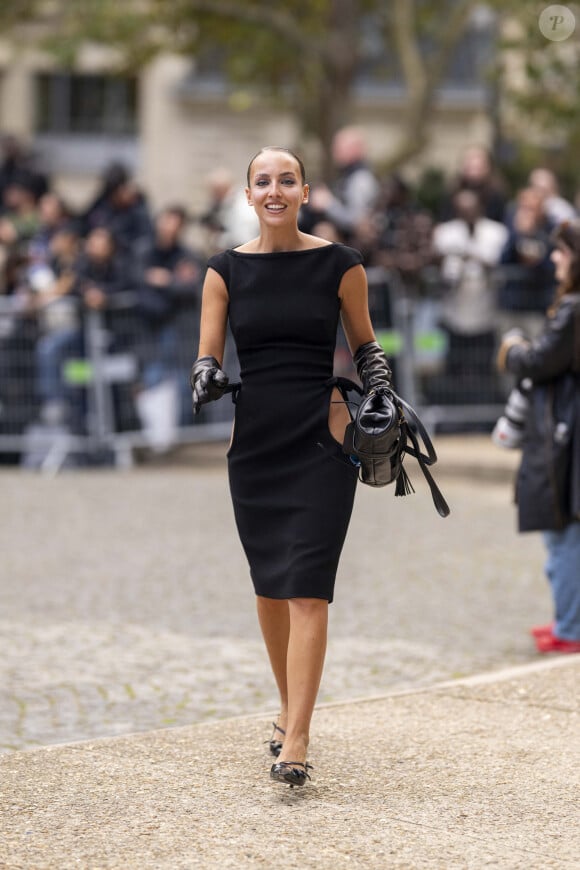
469 306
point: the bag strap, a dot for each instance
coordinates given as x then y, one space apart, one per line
345 385
234 389
414 428
441 505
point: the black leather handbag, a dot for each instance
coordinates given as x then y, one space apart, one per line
384 430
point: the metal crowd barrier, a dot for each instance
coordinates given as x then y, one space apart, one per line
119 361
118 374
451 379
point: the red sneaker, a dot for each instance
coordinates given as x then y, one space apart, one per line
550 643
540 630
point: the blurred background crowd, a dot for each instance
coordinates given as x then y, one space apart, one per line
470 263
440 140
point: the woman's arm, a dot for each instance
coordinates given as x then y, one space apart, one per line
214 316
368 356
548 356
354 312
207 379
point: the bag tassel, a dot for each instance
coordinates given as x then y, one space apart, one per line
403 485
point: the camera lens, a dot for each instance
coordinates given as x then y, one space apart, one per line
505 434
516 407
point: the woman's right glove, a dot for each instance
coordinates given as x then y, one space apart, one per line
372 367
207 380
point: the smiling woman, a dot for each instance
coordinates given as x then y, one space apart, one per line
292 485
277 189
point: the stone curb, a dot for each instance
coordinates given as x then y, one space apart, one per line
474 680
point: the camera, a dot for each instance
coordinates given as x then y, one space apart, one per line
508 432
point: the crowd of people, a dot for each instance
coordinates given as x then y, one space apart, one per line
58 266
495 260
483 255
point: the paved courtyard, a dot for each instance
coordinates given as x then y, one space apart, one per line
126 604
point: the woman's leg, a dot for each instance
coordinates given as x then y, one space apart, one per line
295 633
563 570
274 618
305 661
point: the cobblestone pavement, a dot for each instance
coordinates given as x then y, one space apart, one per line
126 604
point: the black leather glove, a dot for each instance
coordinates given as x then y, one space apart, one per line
207 381
372 367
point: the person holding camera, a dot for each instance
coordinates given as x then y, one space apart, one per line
548 481
292 485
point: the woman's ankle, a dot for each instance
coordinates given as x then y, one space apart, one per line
295 747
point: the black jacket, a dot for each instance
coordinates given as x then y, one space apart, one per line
548 481
161 304
110 276
526 286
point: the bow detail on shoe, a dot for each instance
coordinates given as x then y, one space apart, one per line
275 745
289 772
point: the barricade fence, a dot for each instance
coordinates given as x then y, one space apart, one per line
81 386
84 387
449 376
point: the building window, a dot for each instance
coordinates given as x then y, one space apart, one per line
471 59
466 69
86 104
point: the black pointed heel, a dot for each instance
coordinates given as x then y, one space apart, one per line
290 772
276 745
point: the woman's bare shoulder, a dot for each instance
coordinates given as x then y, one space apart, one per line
311 241
248 247
306 242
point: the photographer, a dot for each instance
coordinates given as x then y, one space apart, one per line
548 483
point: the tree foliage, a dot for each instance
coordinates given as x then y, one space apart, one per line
305 55
539 88
302 54
546 89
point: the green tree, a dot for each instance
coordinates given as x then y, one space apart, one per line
303 54
539 90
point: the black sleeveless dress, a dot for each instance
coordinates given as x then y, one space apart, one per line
291 485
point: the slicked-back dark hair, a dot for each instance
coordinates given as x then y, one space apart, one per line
277 148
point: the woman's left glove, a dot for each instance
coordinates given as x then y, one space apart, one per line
372 367
207 380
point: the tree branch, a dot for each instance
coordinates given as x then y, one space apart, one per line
407 45
276 19
450 35
422 76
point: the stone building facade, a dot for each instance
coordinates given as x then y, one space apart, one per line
172 128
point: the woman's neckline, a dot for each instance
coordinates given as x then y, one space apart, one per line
281 253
